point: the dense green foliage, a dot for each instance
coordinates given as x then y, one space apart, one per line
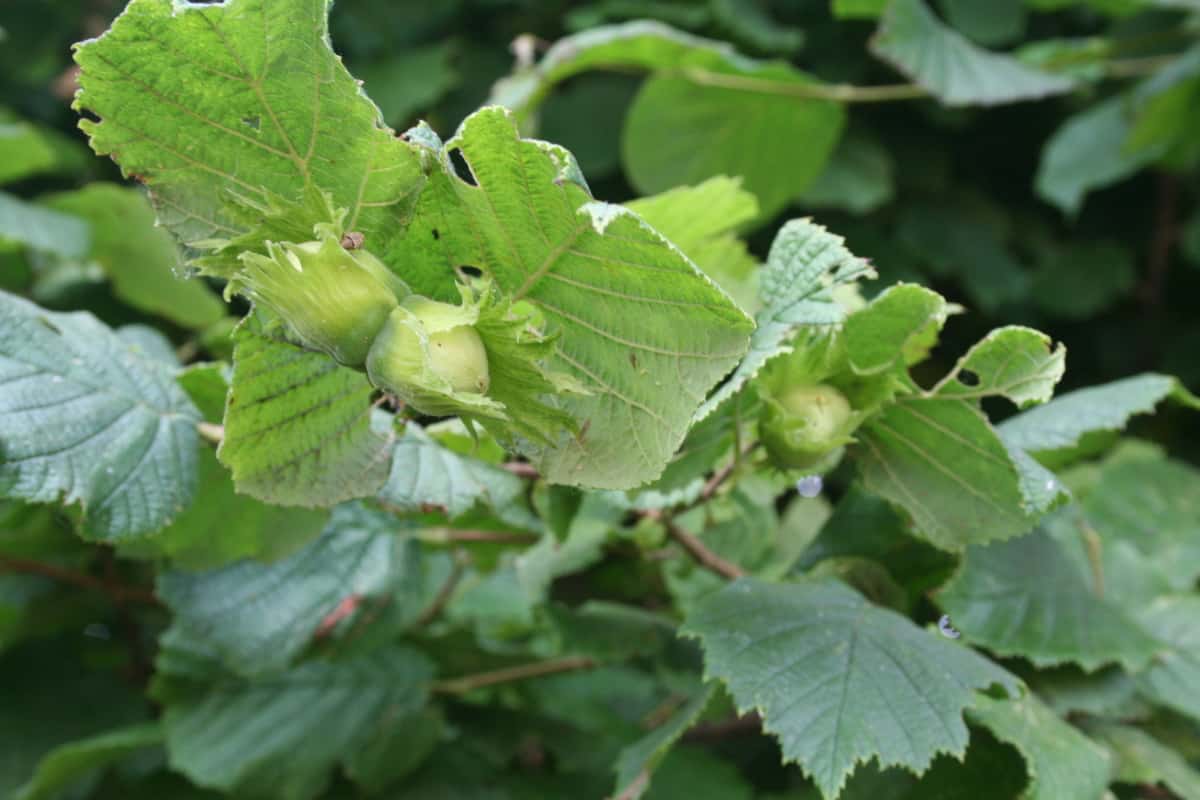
668 399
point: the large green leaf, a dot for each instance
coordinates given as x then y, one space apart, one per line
702 221
942 462
529 221
838 680
139 258
1142 759
280 736
210 103
1060 760
298 427
85 419
1029 597
953 69
1089 152
683 130
80 760
898 326
425 473
257 617
1061 423
805 263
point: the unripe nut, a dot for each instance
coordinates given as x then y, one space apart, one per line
424 336
802 425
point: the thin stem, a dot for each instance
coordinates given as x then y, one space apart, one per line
444 594
537 669
448 535
697 550
210 432
724 473
521 469
1158 258
117 592
841 92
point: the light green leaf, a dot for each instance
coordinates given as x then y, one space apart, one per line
1061 423
804 264
858 9
222 526
298 428
1173 677
857 177
1089 152
84 419
38 228
425 473
1061 761
837 680
281 735
728 130
895 326
1142 759
953 69
1029 597
1018 363
702 221
942 462
637 762
258 617
583 265
76 761
138 257
246 99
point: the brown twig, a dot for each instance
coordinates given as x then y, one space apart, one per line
1158 257
210 432
712 731
444 594
521 469
697 550
537 669
118 593
451 535
720 476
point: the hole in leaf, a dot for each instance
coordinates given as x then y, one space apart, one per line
436 235
461 168
252 123
968 378
474 272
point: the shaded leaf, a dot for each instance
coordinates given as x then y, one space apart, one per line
1173 677
953 69
282 735
1060 760
256 618
74 762
84 419
636 764
857 178
1142 759
138 257
44 229
1028 597
837 680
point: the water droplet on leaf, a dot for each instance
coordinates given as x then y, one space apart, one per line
946 628
810 485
